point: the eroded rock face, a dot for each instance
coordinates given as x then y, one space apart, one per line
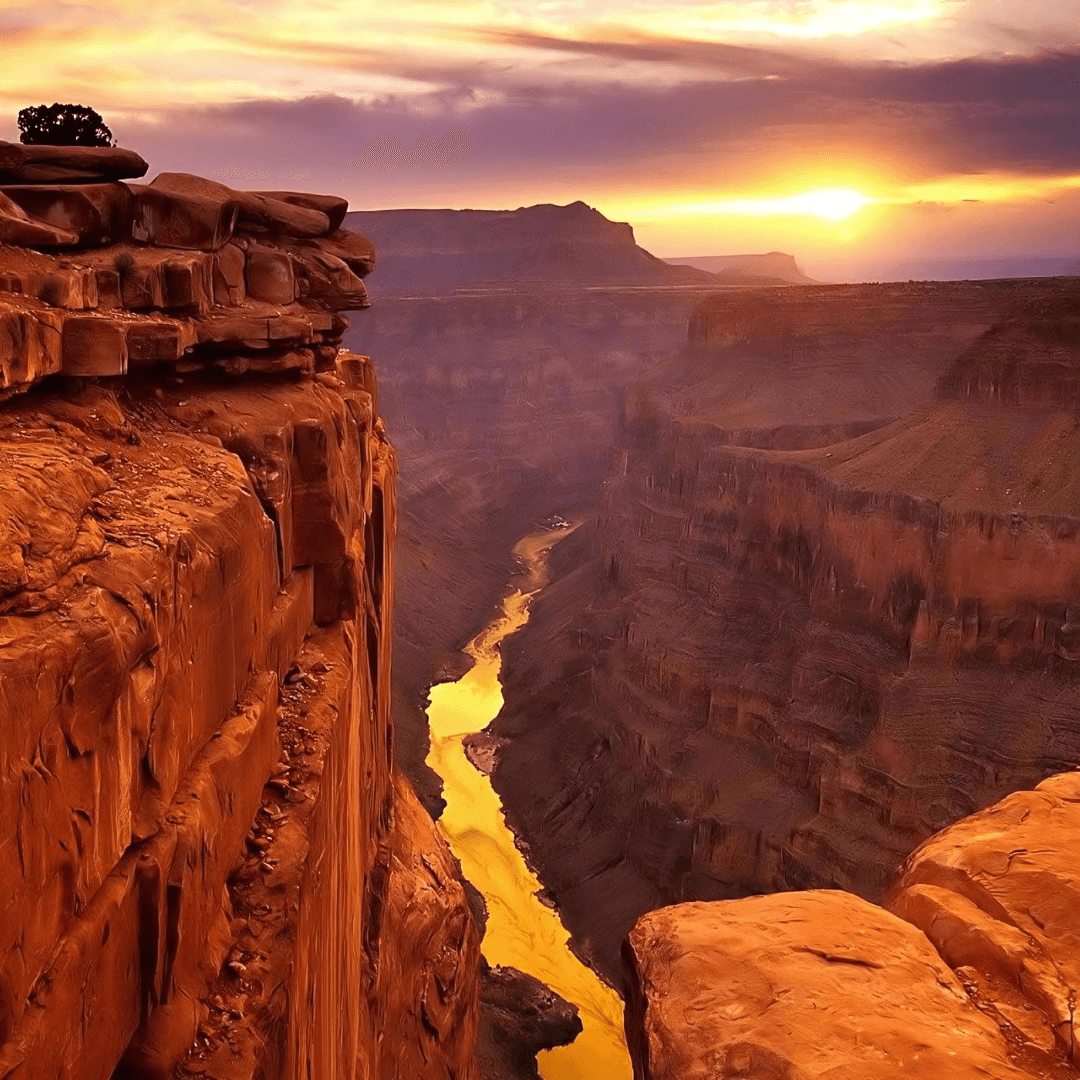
798 986
998 894
427 985
202 848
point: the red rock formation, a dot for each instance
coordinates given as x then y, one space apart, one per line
815 984
203 852
798 986
998 895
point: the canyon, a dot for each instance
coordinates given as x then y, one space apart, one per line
825 609
788 723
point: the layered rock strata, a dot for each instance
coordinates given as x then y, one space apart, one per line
208 866
971 973
781 667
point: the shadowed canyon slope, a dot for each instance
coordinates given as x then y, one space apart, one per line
504 405
811 625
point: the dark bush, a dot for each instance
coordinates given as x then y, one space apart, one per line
63 125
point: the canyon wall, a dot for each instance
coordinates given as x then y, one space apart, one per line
969 971
209 865
800 638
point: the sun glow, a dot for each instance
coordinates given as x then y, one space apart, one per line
826 18
828 204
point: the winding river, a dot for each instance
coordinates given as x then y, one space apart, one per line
521 931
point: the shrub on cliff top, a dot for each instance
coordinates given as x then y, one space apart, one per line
63 125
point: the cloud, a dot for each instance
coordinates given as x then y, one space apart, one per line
978 115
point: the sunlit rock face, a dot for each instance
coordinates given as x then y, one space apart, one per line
997 896
208 868
971 971
800 985
802 638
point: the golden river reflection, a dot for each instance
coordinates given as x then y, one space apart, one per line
521 931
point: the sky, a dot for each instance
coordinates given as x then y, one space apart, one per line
857 135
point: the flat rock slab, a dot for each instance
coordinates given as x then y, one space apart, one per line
93 213
799 986
333 206
22 164
257 211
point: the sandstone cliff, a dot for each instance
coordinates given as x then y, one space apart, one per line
804 638
971 973
209 868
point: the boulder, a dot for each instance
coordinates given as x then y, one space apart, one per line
256 212
352 248
269 275
328 280
176 219
799 986
255 328
19 229
94 345
29 343
356 251
93 213
28 164
332 206
229 265
159 341
998 894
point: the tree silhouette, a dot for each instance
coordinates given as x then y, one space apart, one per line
63 125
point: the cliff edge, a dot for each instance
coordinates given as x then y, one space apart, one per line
209 866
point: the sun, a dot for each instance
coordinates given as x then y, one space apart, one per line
826 204
829 204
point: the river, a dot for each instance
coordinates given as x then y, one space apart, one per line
521 931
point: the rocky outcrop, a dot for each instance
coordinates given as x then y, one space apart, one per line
112 277
209 868
427 988
781 667
972 973
520 1016
797 986
996 894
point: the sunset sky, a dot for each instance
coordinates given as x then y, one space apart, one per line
855 134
